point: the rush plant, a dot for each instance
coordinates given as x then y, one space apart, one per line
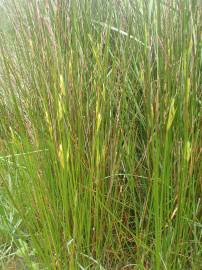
100 133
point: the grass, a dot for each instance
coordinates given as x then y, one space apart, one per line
100 134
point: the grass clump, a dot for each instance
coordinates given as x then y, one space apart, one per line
100 133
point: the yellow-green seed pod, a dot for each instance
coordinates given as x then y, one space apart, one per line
187 151
171 115
61 156
62 85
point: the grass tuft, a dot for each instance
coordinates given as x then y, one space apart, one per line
100 134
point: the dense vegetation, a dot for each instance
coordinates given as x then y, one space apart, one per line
100 140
